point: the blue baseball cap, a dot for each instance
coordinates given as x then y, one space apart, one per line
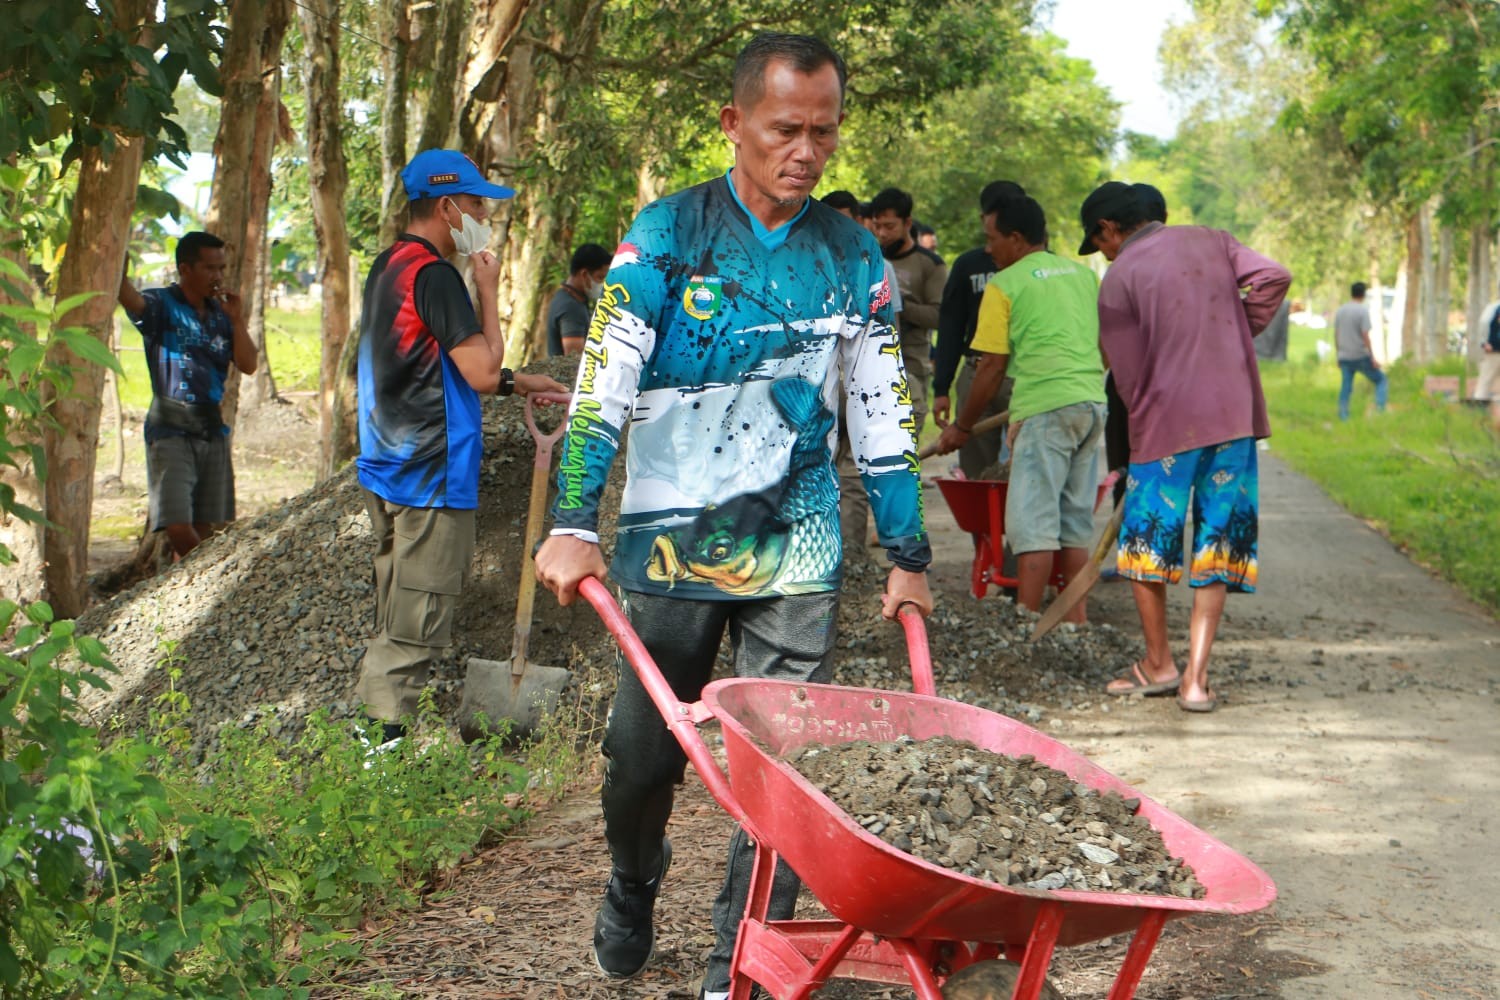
437 173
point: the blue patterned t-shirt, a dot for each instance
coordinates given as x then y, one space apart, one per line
187 355
726 358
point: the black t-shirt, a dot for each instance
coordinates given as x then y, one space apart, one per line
959 314
443 304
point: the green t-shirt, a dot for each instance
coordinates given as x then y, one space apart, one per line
1043 311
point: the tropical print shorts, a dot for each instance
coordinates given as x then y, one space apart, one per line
1219 486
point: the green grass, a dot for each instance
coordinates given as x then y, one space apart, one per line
1426 473
292 344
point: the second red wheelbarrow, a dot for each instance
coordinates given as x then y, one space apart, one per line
978 506
896 918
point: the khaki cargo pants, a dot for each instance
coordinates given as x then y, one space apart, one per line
422 555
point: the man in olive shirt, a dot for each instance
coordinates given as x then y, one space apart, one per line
1039 318
921 275
957 317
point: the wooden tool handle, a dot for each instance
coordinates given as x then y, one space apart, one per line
541 471
987 424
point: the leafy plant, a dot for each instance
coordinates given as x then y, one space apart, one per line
111 885
358 829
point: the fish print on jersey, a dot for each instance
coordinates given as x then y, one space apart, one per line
744 545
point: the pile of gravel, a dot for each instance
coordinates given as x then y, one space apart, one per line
269 620
1010 820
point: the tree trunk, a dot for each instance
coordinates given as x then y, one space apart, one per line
344 439
242 169
1443 289
1428 297
648 183
487 93
328 176
93 262
1409 336
1481 290
439 123
116 409
1379 328
395 28
273 126
517 98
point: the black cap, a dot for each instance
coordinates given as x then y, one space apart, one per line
994 191
1153 202
1106 201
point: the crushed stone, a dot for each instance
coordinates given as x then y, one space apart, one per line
1010 820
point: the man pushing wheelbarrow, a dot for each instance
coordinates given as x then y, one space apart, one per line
733 315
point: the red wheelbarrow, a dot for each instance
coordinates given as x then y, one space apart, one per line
978 506
896 918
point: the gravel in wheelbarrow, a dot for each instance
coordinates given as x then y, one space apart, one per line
1010 820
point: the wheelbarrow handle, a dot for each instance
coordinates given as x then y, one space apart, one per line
681 719
916 648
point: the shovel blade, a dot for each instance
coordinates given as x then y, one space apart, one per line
491 691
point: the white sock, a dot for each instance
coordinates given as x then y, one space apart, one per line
715 995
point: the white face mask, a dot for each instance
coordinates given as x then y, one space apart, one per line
473 237
596 291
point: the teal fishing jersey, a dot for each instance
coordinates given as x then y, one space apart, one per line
724 348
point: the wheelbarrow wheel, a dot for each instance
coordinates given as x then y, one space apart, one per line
990 981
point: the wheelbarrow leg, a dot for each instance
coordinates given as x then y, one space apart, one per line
1038 955
979 574
996 537
918 969
757 906
1137 955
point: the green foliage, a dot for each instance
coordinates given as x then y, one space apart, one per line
126 871
109 885
357 830
1424 472
70 71
28 323
1402 81
1041 119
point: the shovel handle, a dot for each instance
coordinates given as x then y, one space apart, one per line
981 427
544 442
536 510
682 719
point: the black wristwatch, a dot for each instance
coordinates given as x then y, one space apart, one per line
507 383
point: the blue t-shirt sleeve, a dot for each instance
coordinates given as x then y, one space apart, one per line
149 321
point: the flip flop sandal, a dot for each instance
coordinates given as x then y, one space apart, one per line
1204 705
1143 685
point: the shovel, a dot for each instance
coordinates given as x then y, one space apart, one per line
519 691
980 426
1079 587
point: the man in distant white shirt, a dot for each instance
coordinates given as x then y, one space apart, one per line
1351 337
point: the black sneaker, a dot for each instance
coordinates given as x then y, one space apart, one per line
623 933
